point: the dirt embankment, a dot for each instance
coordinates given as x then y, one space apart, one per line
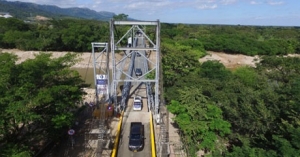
85 58
229 60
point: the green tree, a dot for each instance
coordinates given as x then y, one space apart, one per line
247 75
246 151
38 100
120 17
178 61
214 70
199 120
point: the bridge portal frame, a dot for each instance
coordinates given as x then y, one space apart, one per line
101 65
154 47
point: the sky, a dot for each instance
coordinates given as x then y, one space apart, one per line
228 12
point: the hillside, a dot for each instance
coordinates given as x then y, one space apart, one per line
24 11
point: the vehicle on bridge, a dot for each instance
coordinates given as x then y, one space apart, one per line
139 33
136 137
137 103
138 72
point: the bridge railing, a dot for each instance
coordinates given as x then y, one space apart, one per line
127 84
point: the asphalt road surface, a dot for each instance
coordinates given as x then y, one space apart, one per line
135 116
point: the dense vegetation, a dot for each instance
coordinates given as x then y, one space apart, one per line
38 101
248 40
77 35
248 112
241 113
245 112
55 35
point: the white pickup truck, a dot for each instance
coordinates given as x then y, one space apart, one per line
137 103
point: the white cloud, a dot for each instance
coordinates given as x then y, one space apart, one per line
226 2
202 4
275 2
147 5
205 6
254 2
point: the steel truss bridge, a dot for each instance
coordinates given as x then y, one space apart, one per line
139 47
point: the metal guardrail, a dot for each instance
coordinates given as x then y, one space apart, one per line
148 88
116 144
153 148
127 85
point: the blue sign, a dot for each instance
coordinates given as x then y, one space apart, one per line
101 82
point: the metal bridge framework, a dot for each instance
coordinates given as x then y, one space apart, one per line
102 61
95 136
118 65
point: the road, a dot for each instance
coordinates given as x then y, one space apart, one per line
135 116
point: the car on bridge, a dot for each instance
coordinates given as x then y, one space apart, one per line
137 103
138 72
139 33
136 137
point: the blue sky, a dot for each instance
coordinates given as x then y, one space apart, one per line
233 12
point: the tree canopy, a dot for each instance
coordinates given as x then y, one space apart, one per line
38 99
76 35
245 112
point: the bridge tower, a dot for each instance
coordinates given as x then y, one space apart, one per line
101 70
96 134
124 42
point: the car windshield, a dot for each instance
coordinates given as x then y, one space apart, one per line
135 136
137 104
137 98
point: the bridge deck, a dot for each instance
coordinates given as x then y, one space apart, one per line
135 116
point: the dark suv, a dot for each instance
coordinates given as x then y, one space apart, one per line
138 72
136 137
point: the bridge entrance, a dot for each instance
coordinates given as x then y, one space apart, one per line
137 41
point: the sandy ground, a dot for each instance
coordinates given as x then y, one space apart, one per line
230 61
85 58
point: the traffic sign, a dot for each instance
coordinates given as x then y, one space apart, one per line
71 132
91 104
